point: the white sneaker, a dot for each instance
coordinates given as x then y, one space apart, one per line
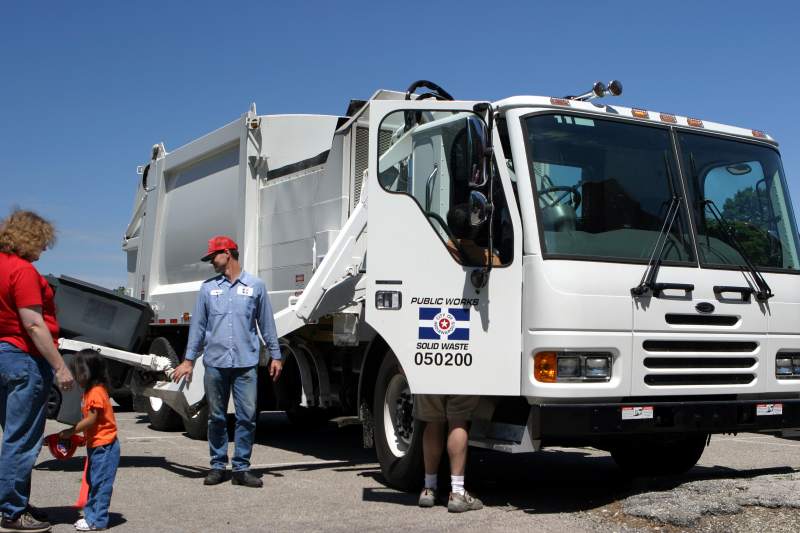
83 525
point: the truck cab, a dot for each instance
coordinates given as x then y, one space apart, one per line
637 288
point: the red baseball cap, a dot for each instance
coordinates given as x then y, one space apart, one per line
218 244
63 449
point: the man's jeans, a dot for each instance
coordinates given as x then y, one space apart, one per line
25 383
244 383
103 463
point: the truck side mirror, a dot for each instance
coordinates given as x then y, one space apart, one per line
477 152
479 209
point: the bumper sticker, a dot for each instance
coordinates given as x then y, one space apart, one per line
637 413
768 409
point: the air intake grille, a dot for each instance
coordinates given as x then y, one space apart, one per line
701 320
362 160
699 379
700 346
699 362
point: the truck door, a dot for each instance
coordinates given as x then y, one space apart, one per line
449 336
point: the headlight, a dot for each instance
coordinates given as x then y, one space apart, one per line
598 367
550 367
787 365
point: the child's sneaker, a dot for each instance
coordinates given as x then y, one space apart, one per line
83 525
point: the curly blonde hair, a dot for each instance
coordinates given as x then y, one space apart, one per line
26 234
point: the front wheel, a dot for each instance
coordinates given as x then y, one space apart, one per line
398 435
659 456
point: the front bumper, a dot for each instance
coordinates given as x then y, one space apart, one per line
556 422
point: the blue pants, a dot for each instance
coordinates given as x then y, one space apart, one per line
25 383
218 383
103 463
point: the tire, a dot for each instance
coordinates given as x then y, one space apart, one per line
53 405
197 426
659 456
398 436
124 402
162 418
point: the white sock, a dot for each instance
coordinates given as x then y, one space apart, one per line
431 481
457 484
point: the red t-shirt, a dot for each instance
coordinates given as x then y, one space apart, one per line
22 286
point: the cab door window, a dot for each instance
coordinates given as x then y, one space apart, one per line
431 157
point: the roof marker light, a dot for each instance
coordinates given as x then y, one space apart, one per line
760 134
640 113
559 101
666 117
694 122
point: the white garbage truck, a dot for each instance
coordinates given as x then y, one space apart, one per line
599 275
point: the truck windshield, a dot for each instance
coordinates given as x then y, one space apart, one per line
745 183
603 188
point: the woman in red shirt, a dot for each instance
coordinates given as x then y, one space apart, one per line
28 361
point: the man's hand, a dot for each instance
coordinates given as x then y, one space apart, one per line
64 378
184 369
275 369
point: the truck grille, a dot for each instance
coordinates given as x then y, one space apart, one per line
700 346
695 362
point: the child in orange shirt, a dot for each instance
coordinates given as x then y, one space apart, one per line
100 429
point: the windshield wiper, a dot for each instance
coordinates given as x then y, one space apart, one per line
764 291
648 281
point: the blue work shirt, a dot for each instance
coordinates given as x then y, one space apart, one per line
223 326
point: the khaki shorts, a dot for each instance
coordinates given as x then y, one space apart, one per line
442 408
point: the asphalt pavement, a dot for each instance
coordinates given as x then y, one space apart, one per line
323 480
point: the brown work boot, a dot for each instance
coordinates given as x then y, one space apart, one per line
24 522
247 479
458 503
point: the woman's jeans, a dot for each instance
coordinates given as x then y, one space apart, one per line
219 383
103 463
25 383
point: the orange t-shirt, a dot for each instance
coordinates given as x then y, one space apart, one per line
105 431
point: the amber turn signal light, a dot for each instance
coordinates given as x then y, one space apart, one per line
544 367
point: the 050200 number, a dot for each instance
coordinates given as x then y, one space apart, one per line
443 359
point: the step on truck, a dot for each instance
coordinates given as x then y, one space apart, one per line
600 275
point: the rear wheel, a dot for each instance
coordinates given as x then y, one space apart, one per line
659 456
197 426
162 418
398 436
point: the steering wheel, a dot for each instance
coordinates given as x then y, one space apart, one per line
572 193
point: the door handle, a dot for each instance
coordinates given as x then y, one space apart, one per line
744 292
658 288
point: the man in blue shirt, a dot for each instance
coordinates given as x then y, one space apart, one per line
229 308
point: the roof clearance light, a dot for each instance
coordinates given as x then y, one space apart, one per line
559 101
666 117
640 113
694 122
759 134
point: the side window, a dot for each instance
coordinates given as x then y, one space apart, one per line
431 156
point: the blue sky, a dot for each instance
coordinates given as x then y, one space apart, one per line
88 87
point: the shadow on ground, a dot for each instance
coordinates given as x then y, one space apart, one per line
550 481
